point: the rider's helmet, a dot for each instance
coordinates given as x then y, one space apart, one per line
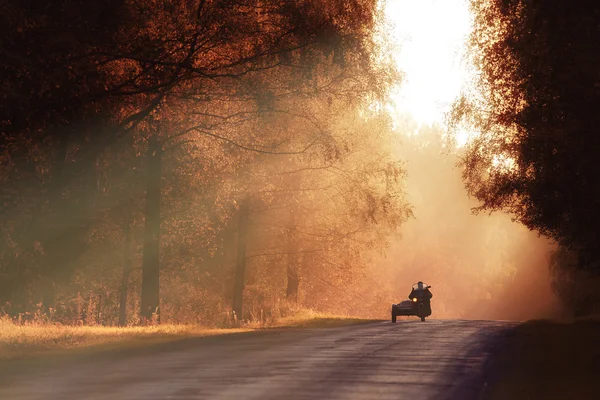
420 285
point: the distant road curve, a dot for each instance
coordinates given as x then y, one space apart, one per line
436 359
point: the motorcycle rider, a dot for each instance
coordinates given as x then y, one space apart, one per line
422 293
418 305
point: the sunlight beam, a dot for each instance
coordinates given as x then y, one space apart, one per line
431 36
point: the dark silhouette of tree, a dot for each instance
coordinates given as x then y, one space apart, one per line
535 106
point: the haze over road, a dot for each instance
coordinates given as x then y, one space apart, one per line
435 359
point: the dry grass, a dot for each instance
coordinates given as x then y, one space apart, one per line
40 339
34 339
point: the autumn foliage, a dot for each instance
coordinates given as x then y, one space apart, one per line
191 161
534 103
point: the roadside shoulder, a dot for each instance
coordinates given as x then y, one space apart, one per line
546 360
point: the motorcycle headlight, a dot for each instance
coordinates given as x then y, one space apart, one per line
415 299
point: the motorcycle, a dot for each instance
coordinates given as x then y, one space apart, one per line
418 305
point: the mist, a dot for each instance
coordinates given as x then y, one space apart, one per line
226 200
480 266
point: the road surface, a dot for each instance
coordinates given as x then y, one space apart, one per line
408 360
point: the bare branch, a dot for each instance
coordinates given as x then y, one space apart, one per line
284 253
247 147
178 144
305 169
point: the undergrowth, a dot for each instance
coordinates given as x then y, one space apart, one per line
21 338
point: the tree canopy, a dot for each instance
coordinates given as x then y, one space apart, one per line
143 142
534 105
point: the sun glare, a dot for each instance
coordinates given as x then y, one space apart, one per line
430 35
503 163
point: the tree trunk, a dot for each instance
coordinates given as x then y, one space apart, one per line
48 293
99 309
150 300
240 268
58 211
124 290
293 278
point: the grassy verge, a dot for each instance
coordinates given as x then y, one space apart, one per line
546 360
20 341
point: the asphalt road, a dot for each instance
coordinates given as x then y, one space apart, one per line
408 360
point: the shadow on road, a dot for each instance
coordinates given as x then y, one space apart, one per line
546 360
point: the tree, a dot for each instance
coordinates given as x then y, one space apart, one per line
534 105
321 217
205 92
218 86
